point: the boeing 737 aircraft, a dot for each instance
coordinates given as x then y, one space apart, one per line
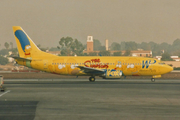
104 66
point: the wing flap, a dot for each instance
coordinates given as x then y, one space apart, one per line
91 70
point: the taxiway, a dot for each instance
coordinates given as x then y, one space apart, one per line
79 99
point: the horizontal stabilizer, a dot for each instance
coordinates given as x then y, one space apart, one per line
20 58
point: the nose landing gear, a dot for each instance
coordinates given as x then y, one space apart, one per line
153 79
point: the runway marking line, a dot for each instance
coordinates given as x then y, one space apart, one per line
4 93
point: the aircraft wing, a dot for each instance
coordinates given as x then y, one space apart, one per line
91 70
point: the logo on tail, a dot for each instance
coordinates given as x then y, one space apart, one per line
24 41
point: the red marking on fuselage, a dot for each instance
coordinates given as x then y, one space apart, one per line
95 63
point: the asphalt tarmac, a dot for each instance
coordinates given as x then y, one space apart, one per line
79 99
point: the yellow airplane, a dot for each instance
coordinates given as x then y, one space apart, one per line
104 66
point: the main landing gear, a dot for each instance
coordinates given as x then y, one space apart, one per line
92 79
153 79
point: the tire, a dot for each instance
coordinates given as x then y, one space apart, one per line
92 79
153 79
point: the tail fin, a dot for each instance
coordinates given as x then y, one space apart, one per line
26 47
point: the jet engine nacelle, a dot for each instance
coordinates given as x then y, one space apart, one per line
112 73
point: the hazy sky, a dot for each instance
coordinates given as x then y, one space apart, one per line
46 21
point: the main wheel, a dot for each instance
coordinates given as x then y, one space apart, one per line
153 79
91 79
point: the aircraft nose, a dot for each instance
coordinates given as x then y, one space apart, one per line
169 68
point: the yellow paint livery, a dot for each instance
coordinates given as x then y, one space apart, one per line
106 67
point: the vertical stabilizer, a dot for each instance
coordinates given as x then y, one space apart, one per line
26 47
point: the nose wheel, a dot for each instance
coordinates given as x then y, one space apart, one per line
92 79
153 79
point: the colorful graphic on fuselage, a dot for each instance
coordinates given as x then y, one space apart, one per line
113 72
95 63
147 63
24 41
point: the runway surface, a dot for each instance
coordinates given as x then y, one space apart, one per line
79 99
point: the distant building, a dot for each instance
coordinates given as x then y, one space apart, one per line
89 44
141 53
137 53
10 59
10 52
175 58
107 46
158 57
